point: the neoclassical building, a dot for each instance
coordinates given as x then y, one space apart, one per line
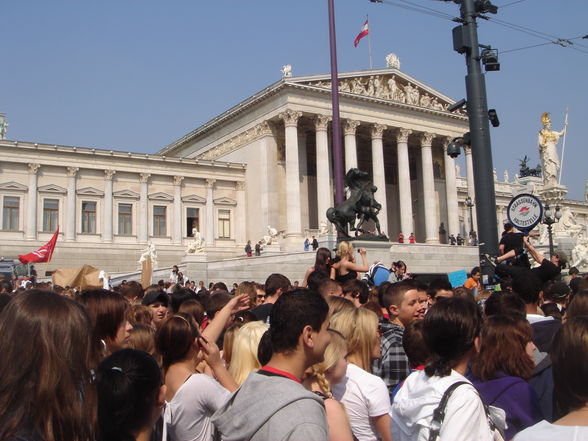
264 162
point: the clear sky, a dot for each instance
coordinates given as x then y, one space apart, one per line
138 74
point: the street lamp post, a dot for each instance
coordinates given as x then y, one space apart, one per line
549 218
470 204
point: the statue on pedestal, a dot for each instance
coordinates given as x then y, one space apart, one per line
197 244
150 254
548 150
271 238
580 252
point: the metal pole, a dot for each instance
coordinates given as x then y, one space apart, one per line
337 151
481 148
550 240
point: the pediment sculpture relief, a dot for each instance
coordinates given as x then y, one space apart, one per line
388 87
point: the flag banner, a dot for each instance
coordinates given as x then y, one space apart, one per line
43 254
364 31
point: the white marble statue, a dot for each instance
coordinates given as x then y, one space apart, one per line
149 253
392 61
287 71
392 88
412 94
580 252
3 127
324 229
196 246
271 237
548 151
506 177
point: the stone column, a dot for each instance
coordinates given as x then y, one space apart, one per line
267 172
404 191
143 211
470 179
31 225
349 129
70 224
323 167
500 219
431 220
450 192
107 230
177 220
380 173
241 216
294 220
209 228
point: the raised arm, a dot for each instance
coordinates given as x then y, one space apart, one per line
538 256
222 318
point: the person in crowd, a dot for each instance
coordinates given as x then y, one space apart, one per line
194 309
376 274
107 311
178 296
192 397
46 345
578 306
320 377
451 330
412 238
174 275
322 263
249 289
248 249
132 291
315 243
140 314
272 404
398 272
473 282
557 294
142 338
500 372
130 396
437 289
260 292
258 248
357 291
158 301
275 285
400 238
243 359
330 288
570 370
306 244
337 304
346 268
363 394
504 303
4 300
405 302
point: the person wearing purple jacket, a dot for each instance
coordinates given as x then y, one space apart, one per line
501 369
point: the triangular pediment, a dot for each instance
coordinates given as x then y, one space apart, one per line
225 201
160 196
52 188
13 186
89 191
126 194
390 85
194 198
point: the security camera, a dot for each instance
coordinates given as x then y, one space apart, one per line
457 105
454 148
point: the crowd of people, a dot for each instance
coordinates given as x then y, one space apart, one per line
357 352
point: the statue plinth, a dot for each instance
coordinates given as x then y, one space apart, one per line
553 194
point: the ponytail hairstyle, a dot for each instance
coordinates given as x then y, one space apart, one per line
175 338
128 384
449 329
336 350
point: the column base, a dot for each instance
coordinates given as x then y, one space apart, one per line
434 240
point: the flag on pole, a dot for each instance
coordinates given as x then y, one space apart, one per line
364 31
43 254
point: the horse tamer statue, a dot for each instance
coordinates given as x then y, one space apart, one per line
361 206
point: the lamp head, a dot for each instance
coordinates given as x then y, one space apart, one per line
454 148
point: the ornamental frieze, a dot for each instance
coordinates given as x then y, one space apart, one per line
246 137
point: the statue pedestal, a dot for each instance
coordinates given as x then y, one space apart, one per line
196 266
328 241
553 194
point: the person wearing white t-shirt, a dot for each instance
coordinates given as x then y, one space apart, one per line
570 370
451 330
364 395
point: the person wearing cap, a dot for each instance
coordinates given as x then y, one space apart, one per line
158 302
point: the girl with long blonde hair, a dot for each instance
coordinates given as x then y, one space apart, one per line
244 359
345 267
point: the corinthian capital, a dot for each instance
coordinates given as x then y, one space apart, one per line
350 126
109 174
378 130
427 139
210 183
403 134
34 168
290 117
72 171
178 180
144 177
321 122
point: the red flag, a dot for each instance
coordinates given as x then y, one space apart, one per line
43 254
364 31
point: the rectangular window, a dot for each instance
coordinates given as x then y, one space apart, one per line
192 220
159 220
10 211
50 215
224 224
88 217
125 219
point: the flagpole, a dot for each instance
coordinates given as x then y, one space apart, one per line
369 41
563 147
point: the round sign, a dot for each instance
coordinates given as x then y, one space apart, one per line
525 211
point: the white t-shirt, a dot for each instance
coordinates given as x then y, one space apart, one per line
364 395
544 431
187 415
414 404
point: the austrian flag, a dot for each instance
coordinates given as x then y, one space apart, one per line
43 254
364 31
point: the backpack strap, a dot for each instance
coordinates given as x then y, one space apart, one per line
439 413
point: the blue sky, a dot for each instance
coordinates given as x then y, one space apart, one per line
136 75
